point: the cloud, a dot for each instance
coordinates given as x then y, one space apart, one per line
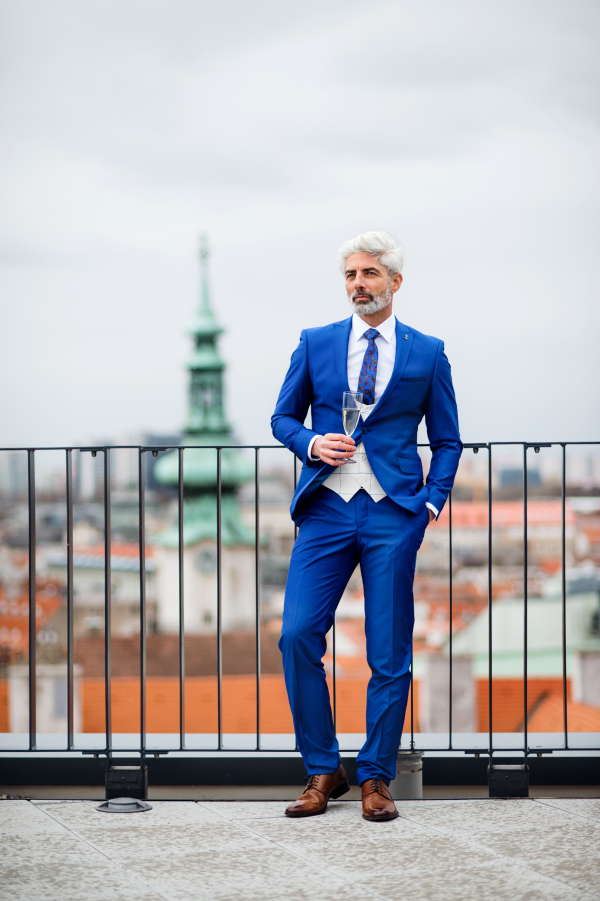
468 130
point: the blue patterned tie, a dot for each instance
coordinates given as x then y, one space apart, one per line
368 371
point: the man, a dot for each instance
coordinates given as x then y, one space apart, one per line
361 500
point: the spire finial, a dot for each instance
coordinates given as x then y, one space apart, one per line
204 325
205 293
204 252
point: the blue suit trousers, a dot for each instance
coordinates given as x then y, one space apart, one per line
334 536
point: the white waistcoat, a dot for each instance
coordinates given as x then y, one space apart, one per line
346 480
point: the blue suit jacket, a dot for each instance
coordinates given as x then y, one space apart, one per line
420 385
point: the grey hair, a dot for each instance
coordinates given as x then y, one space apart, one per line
379 245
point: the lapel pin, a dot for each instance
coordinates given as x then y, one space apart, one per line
406 337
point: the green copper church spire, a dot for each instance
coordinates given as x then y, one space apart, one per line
204 323
206 414
206 425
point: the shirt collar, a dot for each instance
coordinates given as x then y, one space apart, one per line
386 328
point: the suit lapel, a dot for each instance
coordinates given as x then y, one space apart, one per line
403 346
340 352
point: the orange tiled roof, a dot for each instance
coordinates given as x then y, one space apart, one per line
549 716
467 514
118 549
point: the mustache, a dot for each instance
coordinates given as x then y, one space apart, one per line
362 292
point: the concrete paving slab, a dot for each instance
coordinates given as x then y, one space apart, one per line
581 807
518 850
581 873
248 873
343 811
494 883
79 814
403 855
116 842
244 810
569 855
98 882
489 816
332 831
23 817
59 847
579 840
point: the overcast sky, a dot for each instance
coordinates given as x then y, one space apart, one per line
468 130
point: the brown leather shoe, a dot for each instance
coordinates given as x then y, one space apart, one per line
377 802
318 791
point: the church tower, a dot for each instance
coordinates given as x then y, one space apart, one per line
206 424
206 414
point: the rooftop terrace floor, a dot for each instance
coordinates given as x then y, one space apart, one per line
455 850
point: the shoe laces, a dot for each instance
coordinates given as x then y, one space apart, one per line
379 786
312 783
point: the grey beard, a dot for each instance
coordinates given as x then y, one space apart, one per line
377 303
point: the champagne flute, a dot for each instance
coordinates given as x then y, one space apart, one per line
351 408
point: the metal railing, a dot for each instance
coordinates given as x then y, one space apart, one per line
142 451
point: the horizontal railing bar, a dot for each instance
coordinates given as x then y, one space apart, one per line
144 447
532 752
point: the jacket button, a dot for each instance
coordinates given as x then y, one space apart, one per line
364 431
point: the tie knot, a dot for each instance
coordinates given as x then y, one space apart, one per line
371 333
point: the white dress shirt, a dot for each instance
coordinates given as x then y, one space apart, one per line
386 352
346 480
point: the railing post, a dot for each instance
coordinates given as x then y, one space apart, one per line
334 677
70 680
142 553
219 611
32 603
450 627
181 548
412 688
257 587
295 536
525 598
563 581
107 608
490 627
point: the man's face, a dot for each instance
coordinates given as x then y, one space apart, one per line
367 280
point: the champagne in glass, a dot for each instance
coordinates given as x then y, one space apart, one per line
350 415
351 407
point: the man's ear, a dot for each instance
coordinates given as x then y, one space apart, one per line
396 281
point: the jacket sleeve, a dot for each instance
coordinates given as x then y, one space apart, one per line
295 398
441 419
